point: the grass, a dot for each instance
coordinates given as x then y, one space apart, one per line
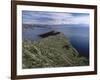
50 52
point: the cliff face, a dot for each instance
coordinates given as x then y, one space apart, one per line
52 51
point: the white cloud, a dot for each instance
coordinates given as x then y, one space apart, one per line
58 18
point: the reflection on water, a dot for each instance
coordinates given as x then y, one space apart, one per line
78 36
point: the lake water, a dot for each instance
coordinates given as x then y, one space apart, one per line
78 35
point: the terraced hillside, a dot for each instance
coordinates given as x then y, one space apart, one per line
52 51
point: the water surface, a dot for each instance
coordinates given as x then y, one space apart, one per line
78 35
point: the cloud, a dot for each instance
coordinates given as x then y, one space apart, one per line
54 18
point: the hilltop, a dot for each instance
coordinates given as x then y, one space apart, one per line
51 51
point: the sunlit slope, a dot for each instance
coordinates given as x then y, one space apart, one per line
52 51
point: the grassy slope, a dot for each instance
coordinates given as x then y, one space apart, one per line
50 52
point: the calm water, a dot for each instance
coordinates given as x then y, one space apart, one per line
77 34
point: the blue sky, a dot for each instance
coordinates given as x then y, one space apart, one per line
54 18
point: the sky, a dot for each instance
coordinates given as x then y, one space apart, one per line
54 18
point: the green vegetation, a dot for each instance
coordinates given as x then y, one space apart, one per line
51 52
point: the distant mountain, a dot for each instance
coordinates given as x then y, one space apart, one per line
32 26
